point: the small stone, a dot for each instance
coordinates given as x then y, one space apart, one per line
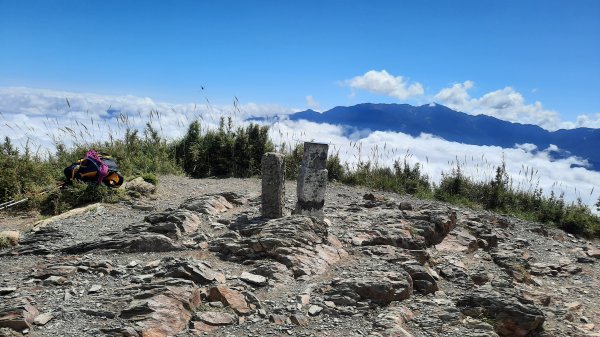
594 253
152 264
278 319
314 310
303 299
7 290
217 318
589 326
142 278
573 306
300 320
230 297
43 319
142 206
405 206
55 280
202 328
253 278
67 296
216 304
329 304
94 289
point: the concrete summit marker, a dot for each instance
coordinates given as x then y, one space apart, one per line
312 180
273 185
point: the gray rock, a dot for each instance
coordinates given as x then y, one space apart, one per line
194 270
378 287
253 278
7 290
98 313
217 318
314 310
17 313
207 204
145 242
423 281
55 280
139 185
94 289
42 319
512 315
164 309
301 243
120 332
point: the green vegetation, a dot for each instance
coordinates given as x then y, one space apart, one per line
402 178
499 195
4 242
57 201
237 152
223 152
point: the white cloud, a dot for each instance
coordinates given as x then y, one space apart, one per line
506 104
589 121
43 116
456 95
383 83
312 104
564 175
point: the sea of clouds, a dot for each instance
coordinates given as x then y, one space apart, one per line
41 118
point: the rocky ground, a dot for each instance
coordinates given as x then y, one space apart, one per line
196 259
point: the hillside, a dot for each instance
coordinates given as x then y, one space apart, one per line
460 127
196 259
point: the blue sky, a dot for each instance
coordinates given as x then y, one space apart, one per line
280 52
534 62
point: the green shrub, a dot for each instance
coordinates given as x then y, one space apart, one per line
4 242
403 178
223 152
335 169
150 178
578 219
76 195
293 161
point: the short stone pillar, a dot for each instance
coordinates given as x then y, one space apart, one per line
273 185
312 180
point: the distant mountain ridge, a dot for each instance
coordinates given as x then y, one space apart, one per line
459 127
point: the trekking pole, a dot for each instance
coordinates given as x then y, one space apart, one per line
12 202
7 202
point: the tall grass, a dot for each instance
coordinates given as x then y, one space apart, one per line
525 201
497 190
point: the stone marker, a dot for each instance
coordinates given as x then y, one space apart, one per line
312 180
273 185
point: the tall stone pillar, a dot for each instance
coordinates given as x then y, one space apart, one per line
273 185
312 180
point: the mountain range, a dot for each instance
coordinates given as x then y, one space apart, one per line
451 125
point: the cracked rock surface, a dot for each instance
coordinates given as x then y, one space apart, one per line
199 260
